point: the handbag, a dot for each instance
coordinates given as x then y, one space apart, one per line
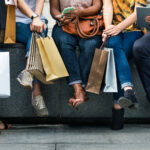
52 62
110 84
10 30
97 70
85 27
34 64
4 75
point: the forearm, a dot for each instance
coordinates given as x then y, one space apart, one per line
54 8
39 7
107 13
91 11
24 8
55 12
128 21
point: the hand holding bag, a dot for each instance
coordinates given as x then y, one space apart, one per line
4 75
34 64
97 70
52 62
10 30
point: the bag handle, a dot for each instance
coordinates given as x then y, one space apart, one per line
84 35
103 44
40 35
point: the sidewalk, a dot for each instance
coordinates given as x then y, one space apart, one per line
64 137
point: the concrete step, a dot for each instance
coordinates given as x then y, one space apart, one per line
102 146
27 147
64 134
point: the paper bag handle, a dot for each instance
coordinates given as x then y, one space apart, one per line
103 44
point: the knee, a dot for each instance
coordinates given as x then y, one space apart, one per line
114 42
89 46
138 49
62 40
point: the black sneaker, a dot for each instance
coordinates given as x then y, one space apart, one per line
117 119
129 100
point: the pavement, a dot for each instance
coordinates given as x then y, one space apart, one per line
73 137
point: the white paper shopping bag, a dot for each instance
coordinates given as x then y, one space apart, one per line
4 75
110 75
9 2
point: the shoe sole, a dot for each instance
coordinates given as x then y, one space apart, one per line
46 114
124 102
43 115
25 86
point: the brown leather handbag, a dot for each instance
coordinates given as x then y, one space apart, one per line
85 27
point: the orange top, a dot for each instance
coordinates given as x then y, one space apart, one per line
123 9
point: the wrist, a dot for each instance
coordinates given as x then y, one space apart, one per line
80 12
34 16
107 26
120 27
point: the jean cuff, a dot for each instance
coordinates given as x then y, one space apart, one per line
127 84
83 85
27 55
36 81
75 82
115 101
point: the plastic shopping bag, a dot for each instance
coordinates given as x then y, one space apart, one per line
110 75
4 75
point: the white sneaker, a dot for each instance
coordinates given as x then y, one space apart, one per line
25 79
39 106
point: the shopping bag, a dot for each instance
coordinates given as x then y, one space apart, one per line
51 59
97 70
4 75
9 2
110 84
10 30
34 64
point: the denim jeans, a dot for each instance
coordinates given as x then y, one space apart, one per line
77 66
141 53
122 46
24 35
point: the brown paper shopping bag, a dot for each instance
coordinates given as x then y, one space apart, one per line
97 71
10 30
34 64
51 59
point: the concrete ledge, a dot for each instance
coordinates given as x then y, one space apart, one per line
56 97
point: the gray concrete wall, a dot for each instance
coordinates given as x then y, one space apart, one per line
56 96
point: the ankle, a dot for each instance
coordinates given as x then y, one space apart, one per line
36 94
117 107
77 88
128 88
36 90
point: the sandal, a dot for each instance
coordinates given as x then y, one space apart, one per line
78 99
5 126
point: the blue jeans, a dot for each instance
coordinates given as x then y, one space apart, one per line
24 35
141 53
77 66
122 46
